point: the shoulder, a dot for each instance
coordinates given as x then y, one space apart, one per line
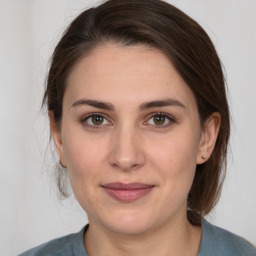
67 245
218 241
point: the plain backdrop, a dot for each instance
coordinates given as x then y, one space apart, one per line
29 29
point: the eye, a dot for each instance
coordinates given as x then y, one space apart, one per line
95 120
160 120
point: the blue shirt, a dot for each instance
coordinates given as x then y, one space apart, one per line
215 241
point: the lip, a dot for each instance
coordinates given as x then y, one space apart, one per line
127 192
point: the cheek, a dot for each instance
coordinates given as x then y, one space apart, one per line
174 152
175 159
84 157
82 151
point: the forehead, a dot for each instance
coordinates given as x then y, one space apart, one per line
117 73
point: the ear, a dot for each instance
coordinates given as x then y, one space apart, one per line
208 137
56 135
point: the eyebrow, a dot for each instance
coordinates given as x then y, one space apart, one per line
144 106
161 103
94 103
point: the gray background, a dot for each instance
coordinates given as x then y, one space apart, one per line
30 212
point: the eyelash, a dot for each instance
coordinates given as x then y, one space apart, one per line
85 119
170 119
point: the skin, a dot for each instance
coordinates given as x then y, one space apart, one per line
130 146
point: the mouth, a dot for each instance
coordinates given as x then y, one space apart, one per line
127 192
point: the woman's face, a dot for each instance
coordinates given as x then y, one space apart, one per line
130 138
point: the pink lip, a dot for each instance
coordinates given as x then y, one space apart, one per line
127 192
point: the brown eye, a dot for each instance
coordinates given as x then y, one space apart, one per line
159 120
97 120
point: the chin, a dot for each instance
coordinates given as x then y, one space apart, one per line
129 224
130 228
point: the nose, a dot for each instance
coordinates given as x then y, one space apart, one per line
127 150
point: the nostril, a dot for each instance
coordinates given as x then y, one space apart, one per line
127 164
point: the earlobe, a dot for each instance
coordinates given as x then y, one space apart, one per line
56 136
208 137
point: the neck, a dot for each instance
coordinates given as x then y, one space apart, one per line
177 238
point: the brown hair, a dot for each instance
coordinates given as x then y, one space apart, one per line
163 26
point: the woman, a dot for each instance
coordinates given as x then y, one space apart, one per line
140 121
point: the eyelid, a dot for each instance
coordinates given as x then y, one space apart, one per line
90 115
107 118
168 116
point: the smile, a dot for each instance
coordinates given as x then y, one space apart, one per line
127 192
